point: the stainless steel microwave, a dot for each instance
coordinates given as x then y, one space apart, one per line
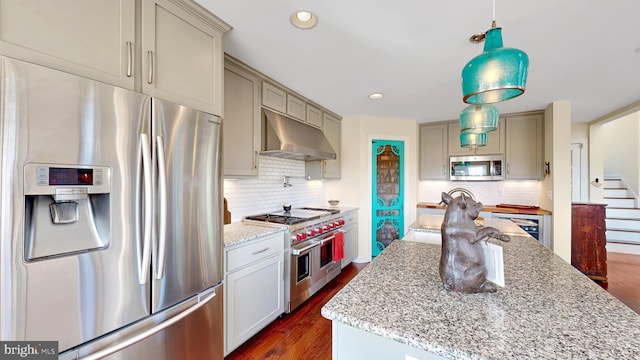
476 168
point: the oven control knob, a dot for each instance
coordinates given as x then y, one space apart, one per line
326 227
311 233
303 236
340 222
318 230
295 237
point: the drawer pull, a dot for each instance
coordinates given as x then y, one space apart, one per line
259 251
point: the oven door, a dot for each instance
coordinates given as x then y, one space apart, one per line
326 250
326 269
301 274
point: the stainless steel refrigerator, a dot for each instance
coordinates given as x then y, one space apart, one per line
110 232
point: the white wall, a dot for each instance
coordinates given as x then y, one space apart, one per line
580 131
354 189
558 153
266 193
621 151
596 162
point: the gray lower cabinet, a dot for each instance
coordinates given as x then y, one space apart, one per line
254 288
350 230
241 122
434 157
524 147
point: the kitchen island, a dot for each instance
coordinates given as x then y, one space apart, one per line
397 306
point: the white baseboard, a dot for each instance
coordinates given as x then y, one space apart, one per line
623 248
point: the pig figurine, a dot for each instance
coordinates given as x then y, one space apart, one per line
462 261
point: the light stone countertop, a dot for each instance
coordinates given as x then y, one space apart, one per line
433 222
548 309
239 232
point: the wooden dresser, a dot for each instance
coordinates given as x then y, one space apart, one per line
588 242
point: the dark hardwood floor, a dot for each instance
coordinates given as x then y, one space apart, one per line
305 334
623 272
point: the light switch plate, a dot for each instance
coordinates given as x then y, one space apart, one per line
493 262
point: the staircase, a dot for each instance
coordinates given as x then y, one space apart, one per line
622 218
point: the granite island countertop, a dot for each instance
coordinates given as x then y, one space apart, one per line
547 310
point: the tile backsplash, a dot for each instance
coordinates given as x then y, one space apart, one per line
266 193
488 192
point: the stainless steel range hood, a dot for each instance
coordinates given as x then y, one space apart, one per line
290 139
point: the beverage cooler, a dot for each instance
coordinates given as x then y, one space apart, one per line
388 193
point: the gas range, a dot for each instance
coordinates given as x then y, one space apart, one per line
302 223
312 235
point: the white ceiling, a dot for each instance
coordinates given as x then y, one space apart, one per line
584 51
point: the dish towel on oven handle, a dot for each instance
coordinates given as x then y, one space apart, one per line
338 246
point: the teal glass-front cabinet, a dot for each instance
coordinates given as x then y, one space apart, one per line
388 193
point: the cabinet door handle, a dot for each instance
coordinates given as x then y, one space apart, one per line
255 159
259 251
129 59
508 169
150 79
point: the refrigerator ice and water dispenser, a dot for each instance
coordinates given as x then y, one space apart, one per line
67 209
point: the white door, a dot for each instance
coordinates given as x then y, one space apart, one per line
578 172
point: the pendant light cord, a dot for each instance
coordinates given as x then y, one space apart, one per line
493 21
494 11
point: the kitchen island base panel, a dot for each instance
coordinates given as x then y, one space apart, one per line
351 343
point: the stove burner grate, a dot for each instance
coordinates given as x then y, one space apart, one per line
278 219
329 210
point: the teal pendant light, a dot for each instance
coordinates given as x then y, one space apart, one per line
473 140
498 74
478 119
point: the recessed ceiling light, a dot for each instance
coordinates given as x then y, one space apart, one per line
376 96
303 19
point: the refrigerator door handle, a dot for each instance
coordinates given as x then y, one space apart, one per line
149 332
162 206
143 271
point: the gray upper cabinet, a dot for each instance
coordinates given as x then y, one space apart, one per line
274 97
182 55
176 55
296 107
524 143
332 128
241 124
93 39
434 159
328 169
519 137
314 116
495 141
